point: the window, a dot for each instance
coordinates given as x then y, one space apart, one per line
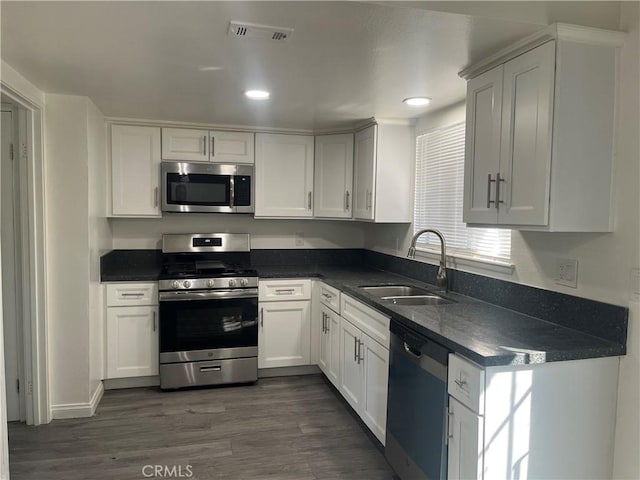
439 198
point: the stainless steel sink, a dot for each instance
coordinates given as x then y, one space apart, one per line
418 300
395 290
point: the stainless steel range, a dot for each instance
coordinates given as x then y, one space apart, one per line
208 311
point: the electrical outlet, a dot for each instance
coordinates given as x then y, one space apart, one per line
567 272
299 239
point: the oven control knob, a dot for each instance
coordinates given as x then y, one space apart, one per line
186 284
175 284
244 282
211 283
232 282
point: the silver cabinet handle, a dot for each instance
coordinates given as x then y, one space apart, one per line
369 199
323 322
449 418
284 291
489 182
498 180
328 296
262 317
212 150
309 201
204 145
461 383
360 357
355 349
155 197
346 202
328 323
154 321
132 294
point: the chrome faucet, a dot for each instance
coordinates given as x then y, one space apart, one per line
441 277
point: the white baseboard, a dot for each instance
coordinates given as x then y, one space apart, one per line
78 410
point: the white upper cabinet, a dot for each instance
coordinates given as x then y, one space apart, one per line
384 173
184 144
284 175
135 171
333 178
539 136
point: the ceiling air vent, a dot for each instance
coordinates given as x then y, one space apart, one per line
252 30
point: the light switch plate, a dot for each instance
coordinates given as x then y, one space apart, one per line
567 272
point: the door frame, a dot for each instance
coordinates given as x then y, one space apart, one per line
32 224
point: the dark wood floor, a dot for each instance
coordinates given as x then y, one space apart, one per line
281 428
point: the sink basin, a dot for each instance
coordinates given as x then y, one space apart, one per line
395 290
418 300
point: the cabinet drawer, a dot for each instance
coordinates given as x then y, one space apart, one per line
284 290
129 294
466 383
330 297
370 321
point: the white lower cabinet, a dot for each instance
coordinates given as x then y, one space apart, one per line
329 360
284 336
550 420
465 437
132 331
364 367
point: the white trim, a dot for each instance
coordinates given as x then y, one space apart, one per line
97 396
16 82
458 259
557 31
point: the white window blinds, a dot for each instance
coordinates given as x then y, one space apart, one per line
439 197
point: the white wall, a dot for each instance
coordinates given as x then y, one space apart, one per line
76 236
147 233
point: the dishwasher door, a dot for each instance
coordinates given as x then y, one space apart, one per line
416 407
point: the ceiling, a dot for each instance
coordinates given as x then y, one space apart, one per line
345 62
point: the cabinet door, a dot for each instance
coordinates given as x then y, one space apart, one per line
185 144
333 334
482 147
525 153
325 345
284 338
333 180
132 342
465 460
284 175
376 377
351 368
231 147
135 171
364 173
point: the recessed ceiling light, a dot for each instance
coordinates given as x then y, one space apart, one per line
209 68
417 101
257 94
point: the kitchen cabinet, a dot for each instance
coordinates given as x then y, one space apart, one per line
383 173
550 420
185 144
284 175
364 368
539 133
132 330
333 176
135 171
284 336
329 358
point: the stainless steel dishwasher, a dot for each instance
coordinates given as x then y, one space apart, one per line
416 408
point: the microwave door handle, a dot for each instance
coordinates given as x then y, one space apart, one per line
232 190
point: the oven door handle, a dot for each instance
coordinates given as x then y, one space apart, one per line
207 295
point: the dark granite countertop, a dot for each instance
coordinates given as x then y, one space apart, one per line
485 333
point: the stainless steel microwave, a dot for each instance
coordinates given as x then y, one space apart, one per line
207 187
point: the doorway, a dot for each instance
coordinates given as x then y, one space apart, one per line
11 251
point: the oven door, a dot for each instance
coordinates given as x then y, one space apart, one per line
201 187
208 325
